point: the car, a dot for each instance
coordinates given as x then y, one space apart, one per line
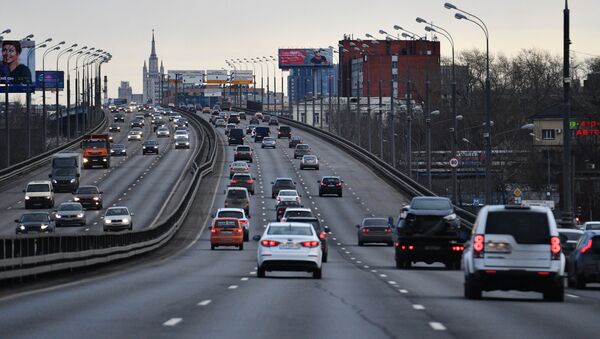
375 230
220 123
37 222
289 247
114 128
236 136
268 142
137 123
321 231
119 117
162 132
206 109
514 248
309 161
249 128
228 128
150 146
330 185
89 197
258 116
288 195
281 184
273 122
242 115
135 135
117 218
39 193
238 167
254 122
294 140
182 129
213 117
584 261
181 132
226 232
242 152
234 118
69 213
236 213
284 132
261 132
118 150
282 206
590 226
301 150
237 197
242 180
266 118
569 238
182 141
296 212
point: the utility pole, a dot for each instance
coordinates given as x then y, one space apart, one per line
567 212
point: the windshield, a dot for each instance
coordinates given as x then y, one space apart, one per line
69 171
375 222
592 226
69 207
430 204
236 194
94 144
289 230
87 190
117 211
35 217
64 162
231 214
302 146
118 146
38 188
525 226
181 137
310 157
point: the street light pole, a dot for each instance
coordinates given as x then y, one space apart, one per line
44 113
77 52
57 108
567 219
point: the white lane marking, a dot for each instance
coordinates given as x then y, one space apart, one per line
374 271
359 262
244 279
347 252
8 208
253 273
339 243
343 248
366 266
352 258
437 326
418 307
571 295
232 287
334 239
391 282
403 291
172 322
204 302
383 275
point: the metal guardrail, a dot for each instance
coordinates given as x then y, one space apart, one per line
393 176
22 256
41 159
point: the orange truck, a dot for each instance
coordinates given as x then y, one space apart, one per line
96 150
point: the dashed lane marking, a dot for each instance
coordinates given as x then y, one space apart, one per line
244 279
204 302
437 326
403 291
418 307
172 322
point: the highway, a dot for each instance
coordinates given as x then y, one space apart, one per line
196 292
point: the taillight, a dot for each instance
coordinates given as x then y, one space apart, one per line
310 243
323 184
458 248
478 245
280 212
237 230
233 181
586 247
249 181
213 230
388 230
405 247
365 230
323 235
269 243
555 248
339 184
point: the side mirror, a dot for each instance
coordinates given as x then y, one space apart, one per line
24 191
49 175
210 227
213 215
272 183
318 181
101 192
342 181
326 229
294 183
357 226
224 191
256 237
390 220
16 220
131 214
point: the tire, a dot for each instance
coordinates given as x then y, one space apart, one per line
27 206
360 243
318 273
324 258
472 289
340 194
556 292
246 235
320 194
241 247
579 281
212 247
260 273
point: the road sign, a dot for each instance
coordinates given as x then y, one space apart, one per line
518 201
517 192
454 163
476 202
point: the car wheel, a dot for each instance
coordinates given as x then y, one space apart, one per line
579 281
472 289
260 272
320 194
318 273
131 228
556 292
324 258
212 247
246 235
340 194
360 243
27 206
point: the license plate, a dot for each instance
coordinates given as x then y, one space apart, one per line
432 248
330 185
226 232
289 246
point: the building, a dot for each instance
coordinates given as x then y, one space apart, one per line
385 67
152 77
137 98
125 91
305 82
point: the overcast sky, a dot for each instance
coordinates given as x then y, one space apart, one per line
201 34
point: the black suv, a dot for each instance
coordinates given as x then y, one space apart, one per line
300 150
150 146
119 118
282 184
236 136
282 206
137 123
284 132
261 133
330 185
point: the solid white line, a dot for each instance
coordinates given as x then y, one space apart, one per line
418 307
572 295
172 322
232 287
204 302
437 326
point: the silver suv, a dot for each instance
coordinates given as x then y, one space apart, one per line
514 248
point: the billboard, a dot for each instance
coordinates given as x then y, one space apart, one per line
242 77
305 57
212 92
218 76
187 77
51 79
17 67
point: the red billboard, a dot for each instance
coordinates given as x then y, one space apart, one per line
305 57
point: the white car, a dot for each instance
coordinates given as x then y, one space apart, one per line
135 135
118 218
288 195
220 123
162 132
181 132
182 141
309 161
289 247
297 212
514 248
237 213
590 226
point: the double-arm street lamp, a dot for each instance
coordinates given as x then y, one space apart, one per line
464 15
75 52
44 112
57 108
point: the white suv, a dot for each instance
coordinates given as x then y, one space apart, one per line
514 248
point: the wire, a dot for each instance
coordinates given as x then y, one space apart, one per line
584 53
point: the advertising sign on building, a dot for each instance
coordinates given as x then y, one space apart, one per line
50 80
242 77
305 57
218 76
17 67
212 92
186 76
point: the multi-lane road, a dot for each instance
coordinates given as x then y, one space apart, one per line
202 293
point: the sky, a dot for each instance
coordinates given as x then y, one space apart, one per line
201 34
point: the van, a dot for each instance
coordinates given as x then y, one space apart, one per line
226 232
261 133
39 193
236 136
237 197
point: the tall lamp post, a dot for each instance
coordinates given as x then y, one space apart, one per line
6 108
28 97
78 95
44 112
57 108
76 52
428 123
464 15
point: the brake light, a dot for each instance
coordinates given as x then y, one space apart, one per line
213 230
280 212
458 248
478 245
543 273
323 235
313 243
339 184
405 247
249 181
269 243
365 230
323 184
237 230
555 248
388 230
233 181
586 247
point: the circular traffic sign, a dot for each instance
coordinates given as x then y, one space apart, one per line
454 163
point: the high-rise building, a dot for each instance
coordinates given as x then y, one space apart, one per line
153 77
125 91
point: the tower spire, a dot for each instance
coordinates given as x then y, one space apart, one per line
153 53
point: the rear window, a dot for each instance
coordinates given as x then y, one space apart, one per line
592 226
226 224
302 146
291 214
430 204
242 177
236 194
289 230
376 222
284 129
328 181
285 182
313 221
525 226
243 148
572 236
231 214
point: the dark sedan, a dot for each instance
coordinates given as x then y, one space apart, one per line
88 197
38 222
150 146
282 206
375 230
119 118
114 128
282 184
330 185
118 150
584 261
294 140
300 150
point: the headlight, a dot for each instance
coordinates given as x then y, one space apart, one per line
54 181
80 215
73 181
85 160
26 198
58 216
126 221
143 147
48 198
187 143
112 151
76 199
450 217
104 159
95 198
107 221
22 227
44 227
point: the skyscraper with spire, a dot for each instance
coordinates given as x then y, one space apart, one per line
152 77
